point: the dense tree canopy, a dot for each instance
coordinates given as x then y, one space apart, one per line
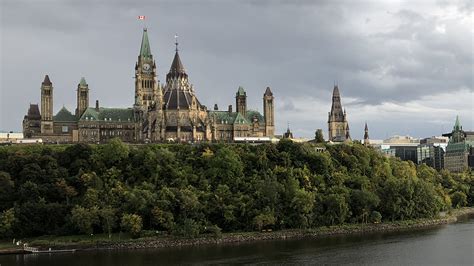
206 188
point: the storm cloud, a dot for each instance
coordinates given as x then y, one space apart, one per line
404 67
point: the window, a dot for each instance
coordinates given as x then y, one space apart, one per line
64 129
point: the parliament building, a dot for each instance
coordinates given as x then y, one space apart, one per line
161 112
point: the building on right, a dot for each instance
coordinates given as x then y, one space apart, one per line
459 152
431 151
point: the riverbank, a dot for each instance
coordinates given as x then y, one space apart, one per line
229 238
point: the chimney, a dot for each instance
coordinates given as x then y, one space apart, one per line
97 105
230 108
215 107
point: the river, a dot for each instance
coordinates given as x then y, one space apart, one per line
451 244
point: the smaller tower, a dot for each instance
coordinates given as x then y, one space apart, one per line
457 134
366 135
269 113
241 101
288 134
82 97
348 134
46 106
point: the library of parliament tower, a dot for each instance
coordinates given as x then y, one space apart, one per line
161 112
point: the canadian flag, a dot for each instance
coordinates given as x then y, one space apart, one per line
141 17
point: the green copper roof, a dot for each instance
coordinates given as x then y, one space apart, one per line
457 124
145 48
83 82
241 92
224 117
64 116
240 119
252 113
108 114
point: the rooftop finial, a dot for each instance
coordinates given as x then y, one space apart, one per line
176 41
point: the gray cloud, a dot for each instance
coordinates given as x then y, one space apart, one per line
378 52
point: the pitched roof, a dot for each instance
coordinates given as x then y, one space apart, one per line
457 124
83 82
224 117
268 92
250 114
240 119
145 47
337 114
175 98
34 112
177 66
46 81
108 114
240 92
64 116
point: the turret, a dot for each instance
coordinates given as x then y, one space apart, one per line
269 113
241 101
366 135
46 106
82 97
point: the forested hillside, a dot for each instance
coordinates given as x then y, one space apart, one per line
189 190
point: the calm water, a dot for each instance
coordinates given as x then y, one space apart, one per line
446 245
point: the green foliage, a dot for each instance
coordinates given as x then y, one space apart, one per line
318 136
264 220
132 223
189 228
84 219
7 219
187 190
375 217
459 199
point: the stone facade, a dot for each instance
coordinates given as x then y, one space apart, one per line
161 112
338 127
459 149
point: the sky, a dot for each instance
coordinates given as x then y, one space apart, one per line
404 67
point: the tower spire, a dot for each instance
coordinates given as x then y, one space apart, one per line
366 134
176 41
145 50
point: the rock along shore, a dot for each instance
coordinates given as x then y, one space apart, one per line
230 238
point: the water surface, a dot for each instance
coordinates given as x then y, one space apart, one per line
444 245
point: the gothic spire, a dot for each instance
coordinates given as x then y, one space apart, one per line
177 66
46 81
145 47
457 124
83 82
337 114
268 92
366 132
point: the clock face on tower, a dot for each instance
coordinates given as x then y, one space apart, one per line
146 67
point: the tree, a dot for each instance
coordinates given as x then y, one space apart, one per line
337 209
458 199
163 219
264 220
108 218
375 217
84 219
132 223
318 136
7 220
303 203
7 187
